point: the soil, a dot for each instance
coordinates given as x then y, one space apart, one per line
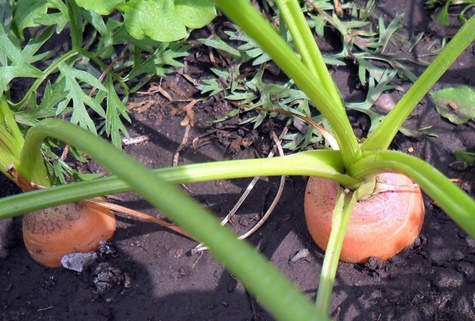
148 273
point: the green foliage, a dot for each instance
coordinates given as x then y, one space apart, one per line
255 92
17 62
442 7
456 104
160 20
80 64
72 87
366 42
351 166
463 161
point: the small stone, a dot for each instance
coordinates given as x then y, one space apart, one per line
179 253
78 261
299 255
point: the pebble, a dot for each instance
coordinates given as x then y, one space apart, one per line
78 261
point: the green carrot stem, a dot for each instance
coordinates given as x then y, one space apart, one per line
307 47
323 163
264 281
254 25
11 144
341 217
385 132
454 201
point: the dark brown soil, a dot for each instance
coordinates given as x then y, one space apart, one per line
147 273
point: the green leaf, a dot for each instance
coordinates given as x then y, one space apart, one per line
154 19
211 86
80 99
249 47
157 64
442 16
195 13
165 20
244 97
34 44
27 12
465 157
115 110
6 15
34 13
53 94
219 44
456 104
464 160
386 33
14 63
101 7
11 138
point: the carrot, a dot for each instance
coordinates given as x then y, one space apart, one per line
381 226
53 232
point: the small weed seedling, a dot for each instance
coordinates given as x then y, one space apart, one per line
365 42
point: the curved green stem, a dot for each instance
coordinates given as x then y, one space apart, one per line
11 144
341 217
106 68
254 25
263 280
46 73
307 47
455 202
323 163
385 132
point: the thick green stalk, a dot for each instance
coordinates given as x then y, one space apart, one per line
341 217
385 132
7 121
11 140
454 201
307 47
8 145
263 280
254 25
9 154
11 144
323 163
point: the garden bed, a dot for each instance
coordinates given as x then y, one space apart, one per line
148 273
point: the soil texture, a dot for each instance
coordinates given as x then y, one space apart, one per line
148 273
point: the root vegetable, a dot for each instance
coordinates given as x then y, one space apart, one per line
381 226
51 233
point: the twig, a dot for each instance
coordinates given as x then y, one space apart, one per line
138 215
338 8
325 133
201 247
276 198
135 140
187 122
176 156
182 145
